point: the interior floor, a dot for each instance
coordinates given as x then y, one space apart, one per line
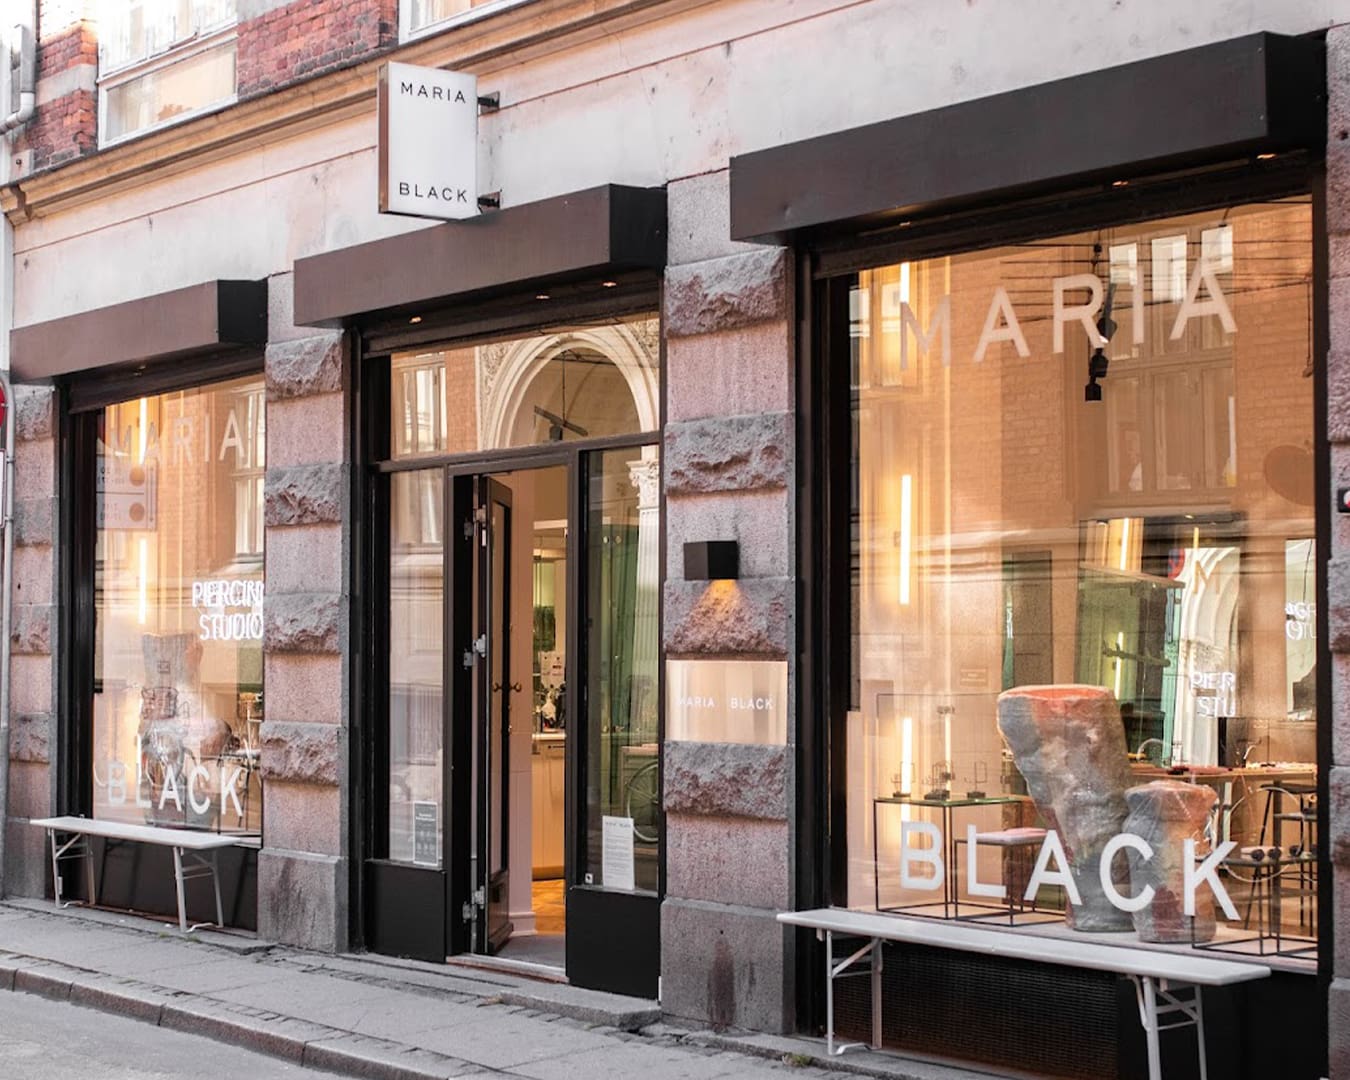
546 945
548 906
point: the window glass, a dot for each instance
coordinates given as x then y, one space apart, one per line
416 663
202 79
424 13
572 383
134 30
623 527
1084 566
178 583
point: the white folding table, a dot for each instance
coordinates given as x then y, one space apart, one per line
194 853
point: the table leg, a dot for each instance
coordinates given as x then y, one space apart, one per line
829 993
876 994
56 868
1200 1032
215 880
178 884
1148 1015
951 882
89 870
876 861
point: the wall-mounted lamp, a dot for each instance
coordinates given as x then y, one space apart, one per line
710 560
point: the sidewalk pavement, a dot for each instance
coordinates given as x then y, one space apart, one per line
388 1019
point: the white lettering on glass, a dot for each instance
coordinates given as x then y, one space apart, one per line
1192 307
1011 330
1083 313
1043 875
1205 872
1118 899
941 322
930 856
215 623
974 885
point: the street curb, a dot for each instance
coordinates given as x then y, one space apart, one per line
303 1043
783 1049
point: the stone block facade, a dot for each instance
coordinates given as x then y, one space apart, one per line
34 641
303 867
728 473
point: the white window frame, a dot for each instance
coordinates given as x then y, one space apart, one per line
198 43
406 32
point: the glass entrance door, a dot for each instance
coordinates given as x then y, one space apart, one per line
496 687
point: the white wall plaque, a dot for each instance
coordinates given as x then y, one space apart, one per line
616 852
428 142
740 701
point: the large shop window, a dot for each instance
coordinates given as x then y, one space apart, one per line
161 61
1083 582
178 595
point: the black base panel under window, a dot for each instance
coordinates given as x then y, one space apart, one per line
139 877
1046 1020
613 941
1076 1024
406 911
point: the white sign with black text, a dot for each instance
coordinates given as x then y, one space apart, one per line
428 142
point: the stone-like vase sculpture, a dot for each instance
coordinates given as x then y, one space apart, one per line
1069 745
1167 813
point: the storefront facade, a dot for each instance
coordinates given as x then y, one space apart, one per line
392 547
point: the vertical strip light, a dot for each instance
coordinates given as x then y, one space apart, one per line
142 441
1124 543
906 534
907 754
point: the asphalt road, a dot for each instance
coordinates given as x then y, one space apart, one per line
51 1040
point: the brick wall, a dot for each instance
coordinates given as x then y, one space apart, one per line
308 37
279 44
65 127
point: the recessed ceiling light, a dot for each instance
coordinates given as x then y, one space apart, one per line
415 319
541 296
1264 157
1120 183
609 284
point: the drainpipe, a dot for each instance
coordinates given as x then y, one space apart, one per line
22 73
22 100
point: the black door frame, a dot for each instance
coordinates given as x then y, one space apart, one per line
394 897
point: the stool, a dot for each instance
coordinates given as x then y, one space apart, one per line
1303 796
1017 844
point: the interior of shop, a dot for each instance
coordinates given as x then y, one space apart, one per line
1087 462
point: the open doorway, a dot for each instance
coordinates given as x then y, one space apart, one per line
532 801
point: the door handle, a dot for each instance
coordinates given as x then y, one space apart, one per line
515 687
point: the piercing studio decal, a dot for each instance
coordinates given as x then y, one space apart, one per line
228 610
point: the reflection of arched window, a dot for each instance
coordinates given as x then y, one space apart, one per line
572 383
578 394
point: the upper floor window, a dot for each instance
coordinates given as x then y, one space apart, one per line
426 16
163 60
